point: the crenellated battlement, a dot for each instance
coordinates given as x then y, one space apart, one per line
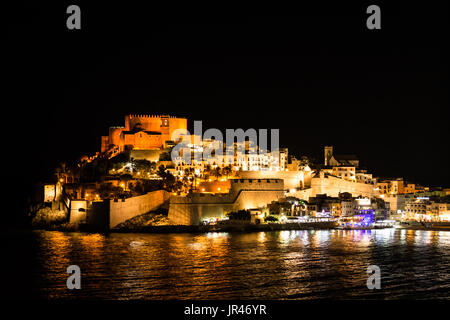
153 116
260 180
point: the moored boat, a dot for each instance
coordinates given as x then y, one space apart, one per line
352 224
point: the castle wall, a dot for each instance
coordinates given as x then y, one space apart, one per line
75 215
174 124
128 139
292 179
256 199
98 214
107 214
104 143
115 135
143 140
121 211
215 186
256 184
150 155
188 211
303 194
332 186
244 194
148 123
153 123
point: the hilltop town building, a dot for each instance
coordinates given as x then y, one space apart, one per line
332 159
396 203
238 156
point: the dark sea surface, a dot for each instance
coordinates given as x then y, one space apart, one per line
306 264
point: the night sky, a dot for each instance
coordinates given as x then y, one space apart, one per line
316 73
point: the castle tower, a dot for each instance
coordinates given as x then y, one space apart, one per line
328 153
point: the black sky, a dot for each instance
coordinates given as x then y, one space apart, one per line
317 73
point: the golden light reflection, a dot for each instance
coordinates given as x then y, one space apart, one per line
261 237
93 243
57 257
292 258
197 245
59 244
211 265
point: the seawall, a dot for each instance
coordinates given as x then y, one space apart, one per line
230 228
244 194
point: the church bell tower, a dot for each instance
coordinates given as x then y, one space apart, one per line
328 152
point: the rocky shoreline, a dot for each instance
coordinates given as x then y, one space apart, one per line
230 228
194 229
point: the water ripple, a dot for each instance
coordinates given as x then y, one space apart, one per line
265 265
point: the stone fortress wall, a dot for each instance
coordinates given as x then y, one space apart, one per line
107 214
292 179
158 123
121 211
244 194
332 186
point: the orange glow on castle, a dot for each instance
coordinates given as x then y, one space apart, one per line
145 132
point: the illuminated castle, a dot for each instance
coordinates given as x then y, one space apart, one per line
142 132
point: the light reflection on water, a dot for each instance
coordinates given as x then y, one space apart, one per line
304 264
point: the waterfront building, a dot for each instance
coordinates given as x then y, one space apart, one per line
324 206
427 209
288 207
347 207
396 203
344 205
